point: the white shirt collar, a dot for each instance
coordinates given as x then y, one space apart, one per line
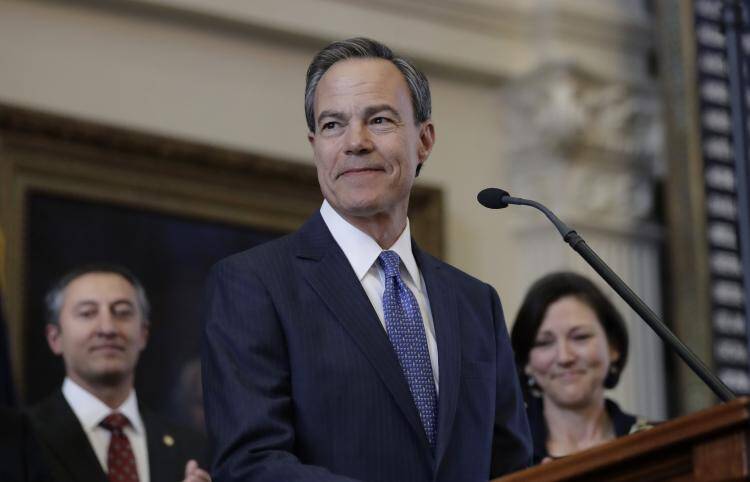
362 250
90 411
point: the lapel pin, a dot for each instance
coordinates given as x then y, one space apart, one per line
168 440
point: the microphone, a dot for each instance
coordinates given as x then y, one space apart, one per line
495 198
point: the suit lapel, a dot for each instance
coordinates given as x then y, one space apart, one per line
329 273
444 309
61 432
162 457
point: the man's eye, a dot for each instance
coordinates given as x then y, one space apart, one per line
87 314
381 120
123 313
328 126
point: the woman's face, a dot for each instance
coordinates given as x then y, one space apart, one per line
570 356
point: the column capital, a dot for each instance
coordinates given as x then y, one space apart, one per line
590 148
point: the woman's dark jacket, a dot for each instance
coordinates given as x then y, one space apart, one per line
624 423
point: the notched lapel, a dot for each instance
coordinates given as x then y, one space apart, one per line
330 275
444 309
60 431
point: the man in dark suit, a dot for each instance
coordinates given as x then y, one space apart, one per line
343 352
20 456
93 429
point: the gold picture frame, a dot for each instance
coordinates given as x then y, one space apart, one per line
61 155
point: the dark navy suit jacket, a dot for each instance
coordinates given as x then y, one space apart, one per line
301 382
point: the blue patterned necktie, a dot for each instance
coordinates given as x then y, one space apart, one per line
403 323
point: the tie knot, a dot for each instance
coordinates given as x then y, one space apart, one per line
115 422
390 263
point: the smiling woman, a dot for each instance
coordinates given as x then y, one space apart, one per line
570 345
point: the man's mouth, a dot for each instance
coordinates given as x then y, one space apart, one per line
108 348
359 171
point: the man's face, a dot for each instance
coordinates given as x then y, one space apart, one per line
366 144
101 330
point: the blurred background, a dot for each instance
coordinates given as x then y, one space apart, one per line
167 134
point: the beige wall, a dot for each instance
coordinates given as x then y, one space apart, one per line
241 90
232 74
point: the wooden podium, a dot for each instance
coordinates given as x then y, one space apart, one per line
710 445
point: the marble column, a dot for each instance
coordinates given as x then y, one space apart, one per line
591 151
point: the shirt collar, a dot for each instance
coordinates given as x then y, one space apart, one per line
362 250
90 411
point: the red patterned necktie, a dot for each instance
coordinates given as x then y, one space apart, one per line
120 458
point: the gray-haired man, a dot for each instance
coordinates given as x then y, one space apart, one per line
343 352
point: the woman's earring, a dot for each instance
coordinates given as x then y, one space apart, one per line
612 375
533 387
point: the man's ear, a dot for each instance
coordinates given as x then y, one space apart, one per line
145 332
311 138
426 140
54 338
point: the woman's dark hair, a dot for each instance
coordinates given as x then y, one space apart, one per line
548 290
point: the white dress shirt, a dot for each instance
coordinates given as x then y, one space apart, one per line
362 251
90 412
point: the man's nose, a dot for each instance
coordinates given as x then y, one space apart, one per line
358 140
106 325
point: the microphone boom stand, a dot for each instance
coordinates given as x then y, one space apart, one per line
579 245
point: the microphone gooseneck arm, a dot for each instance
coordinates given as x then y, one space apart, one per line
563 228
647 314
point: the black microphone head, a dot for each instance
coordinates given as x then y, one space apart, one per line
492 198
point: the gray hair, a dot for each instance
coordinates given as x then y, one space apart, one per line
56 295
361 47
